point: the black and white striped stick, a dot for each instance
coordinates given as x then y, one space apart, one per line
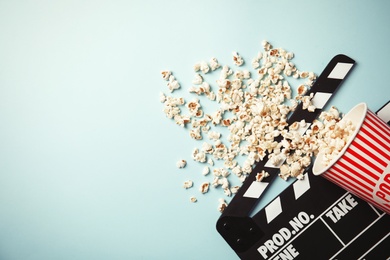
236 215
325 86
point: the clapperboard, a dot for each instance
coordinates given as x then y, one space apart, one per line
312 218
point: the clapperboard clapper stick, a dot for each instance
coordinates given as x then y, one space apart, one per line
311 219
324 87
235 225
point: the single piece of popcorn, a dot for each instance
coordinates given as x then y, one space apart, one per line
311 108
163 98
227 191
243 177
212 135
166 74
276 159
214 64
207 148
222 205
204 67
173 85
266 45
234 189
261 175
284 176
197 67
195 133
206 170
289 55
296 169
198 79
193 199
216 182
237 170
181 120
188 184
302 89
210 161
204 187
224 182
226 72
193 106
237 59
181 163
198 156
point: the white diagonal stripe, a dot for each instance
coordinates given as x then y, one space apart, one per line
384 113
320 98
273 209
255 189
301 186
340 70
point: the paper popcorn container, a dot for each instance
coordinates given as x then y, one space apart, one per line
363 166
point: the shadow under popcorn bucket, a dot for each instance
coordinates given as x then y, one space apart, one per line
363 165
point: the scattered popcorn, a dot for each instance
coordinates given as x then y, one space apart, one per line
253 108
193 199
181 164
188 184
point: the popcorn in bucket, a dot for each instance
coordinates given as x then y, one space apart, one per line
363 165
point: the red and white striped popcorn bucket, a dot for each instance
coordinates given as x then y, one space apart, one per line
363 166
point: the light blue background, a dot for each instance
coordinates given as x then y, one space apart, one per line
87 157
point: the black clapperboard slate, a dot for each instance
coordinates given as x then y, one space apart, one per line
312 218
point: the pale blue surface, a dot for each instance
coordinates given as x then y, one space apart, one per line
87 157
